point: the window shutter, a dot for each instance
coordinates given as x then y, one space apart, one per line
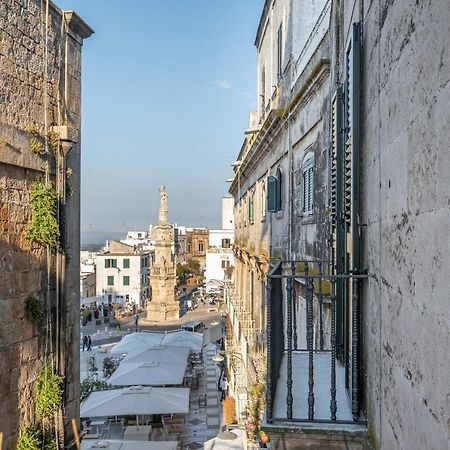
279 189
271 194
352 139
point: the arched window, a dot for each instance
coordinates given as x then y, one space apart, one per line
308 183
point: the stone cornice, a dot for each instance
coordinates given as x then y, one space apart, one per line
77 24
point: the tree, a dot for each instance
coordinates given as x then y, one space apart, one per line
194 266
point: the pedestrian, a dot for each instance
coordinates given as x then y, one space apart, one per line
223 387
136 320
85 342
89 344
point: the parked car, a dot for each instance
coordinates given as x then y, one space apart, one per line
194 326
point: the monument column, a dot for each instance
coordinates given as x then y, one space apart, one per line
163 306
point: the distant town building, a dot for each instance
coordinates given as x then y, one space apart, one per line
197 242
122 274
219 261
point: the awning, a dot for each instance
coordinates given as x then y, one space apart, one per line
136 341
134 401
184 338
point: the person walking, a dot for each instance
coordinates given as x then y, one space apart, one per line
136 320
85 342
89 344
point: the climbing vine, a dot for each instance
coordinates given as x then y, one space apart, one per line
33 308
43 229
48 391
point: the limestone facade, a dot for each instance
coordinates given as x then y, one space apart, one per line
39 86
163 305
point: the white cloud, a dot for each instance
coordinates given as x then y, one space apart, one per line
223 84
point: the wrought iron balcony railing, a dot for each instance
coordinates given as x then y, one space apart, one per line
313 343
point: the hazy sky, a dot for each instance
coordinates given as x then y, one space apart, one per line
167 88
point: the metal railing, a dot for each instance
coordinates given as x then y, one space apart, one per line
327 335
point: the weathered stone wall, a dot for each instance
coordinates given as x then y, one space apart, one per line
406 198
23 265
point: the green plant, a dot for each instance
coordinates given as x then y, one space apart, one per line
48 391
43 229
29 439
33 308
89 385
110 365
36 146
53 141
33 438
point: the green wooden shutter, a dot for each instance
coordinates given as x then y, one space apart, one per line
271 194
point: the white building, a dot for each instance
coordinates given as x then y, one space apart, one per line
140 239
219 256
122 274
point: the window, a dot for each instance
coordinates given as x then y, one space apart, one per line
110 280
200 247
144 262
225 263
189 248
262 90
251 208
226 243
263 200
308 183
280 51
110 263
126 263
275 191
126 280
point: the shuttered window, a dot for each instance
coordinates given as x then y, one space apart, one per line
126 280
251 208
308 183
271 194
110 280
279 189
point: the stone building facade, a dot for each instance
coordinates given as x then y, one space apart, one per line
344 171
196 245
40 83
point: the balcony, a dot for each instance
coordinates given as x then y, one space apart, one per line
314 371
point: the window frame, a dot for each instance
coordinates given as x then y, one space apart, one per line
308 184
126 265
108 279
123 280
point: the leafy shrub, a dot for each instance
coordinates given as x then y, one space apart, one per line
33 308
36 146
43 229
33 438
110 365
89 385
48 389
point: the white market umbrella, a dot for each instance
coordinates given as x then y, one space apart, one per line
112 444
149 373
184 338
227 443
136 400
138 341
161 354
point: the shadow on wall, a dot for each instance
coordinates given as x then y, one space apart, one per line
22 339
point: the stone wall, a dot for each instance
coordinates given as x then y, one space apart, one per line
25 88
406 191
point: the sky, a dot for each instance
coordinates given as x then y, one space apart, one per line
167 86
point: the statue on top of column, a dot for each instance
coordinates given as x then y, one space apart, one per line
163 211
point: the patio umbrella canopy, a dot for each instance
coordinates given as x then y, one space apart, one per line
159 354
184 338
226 442
109 444
149 373
136 400
135 341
